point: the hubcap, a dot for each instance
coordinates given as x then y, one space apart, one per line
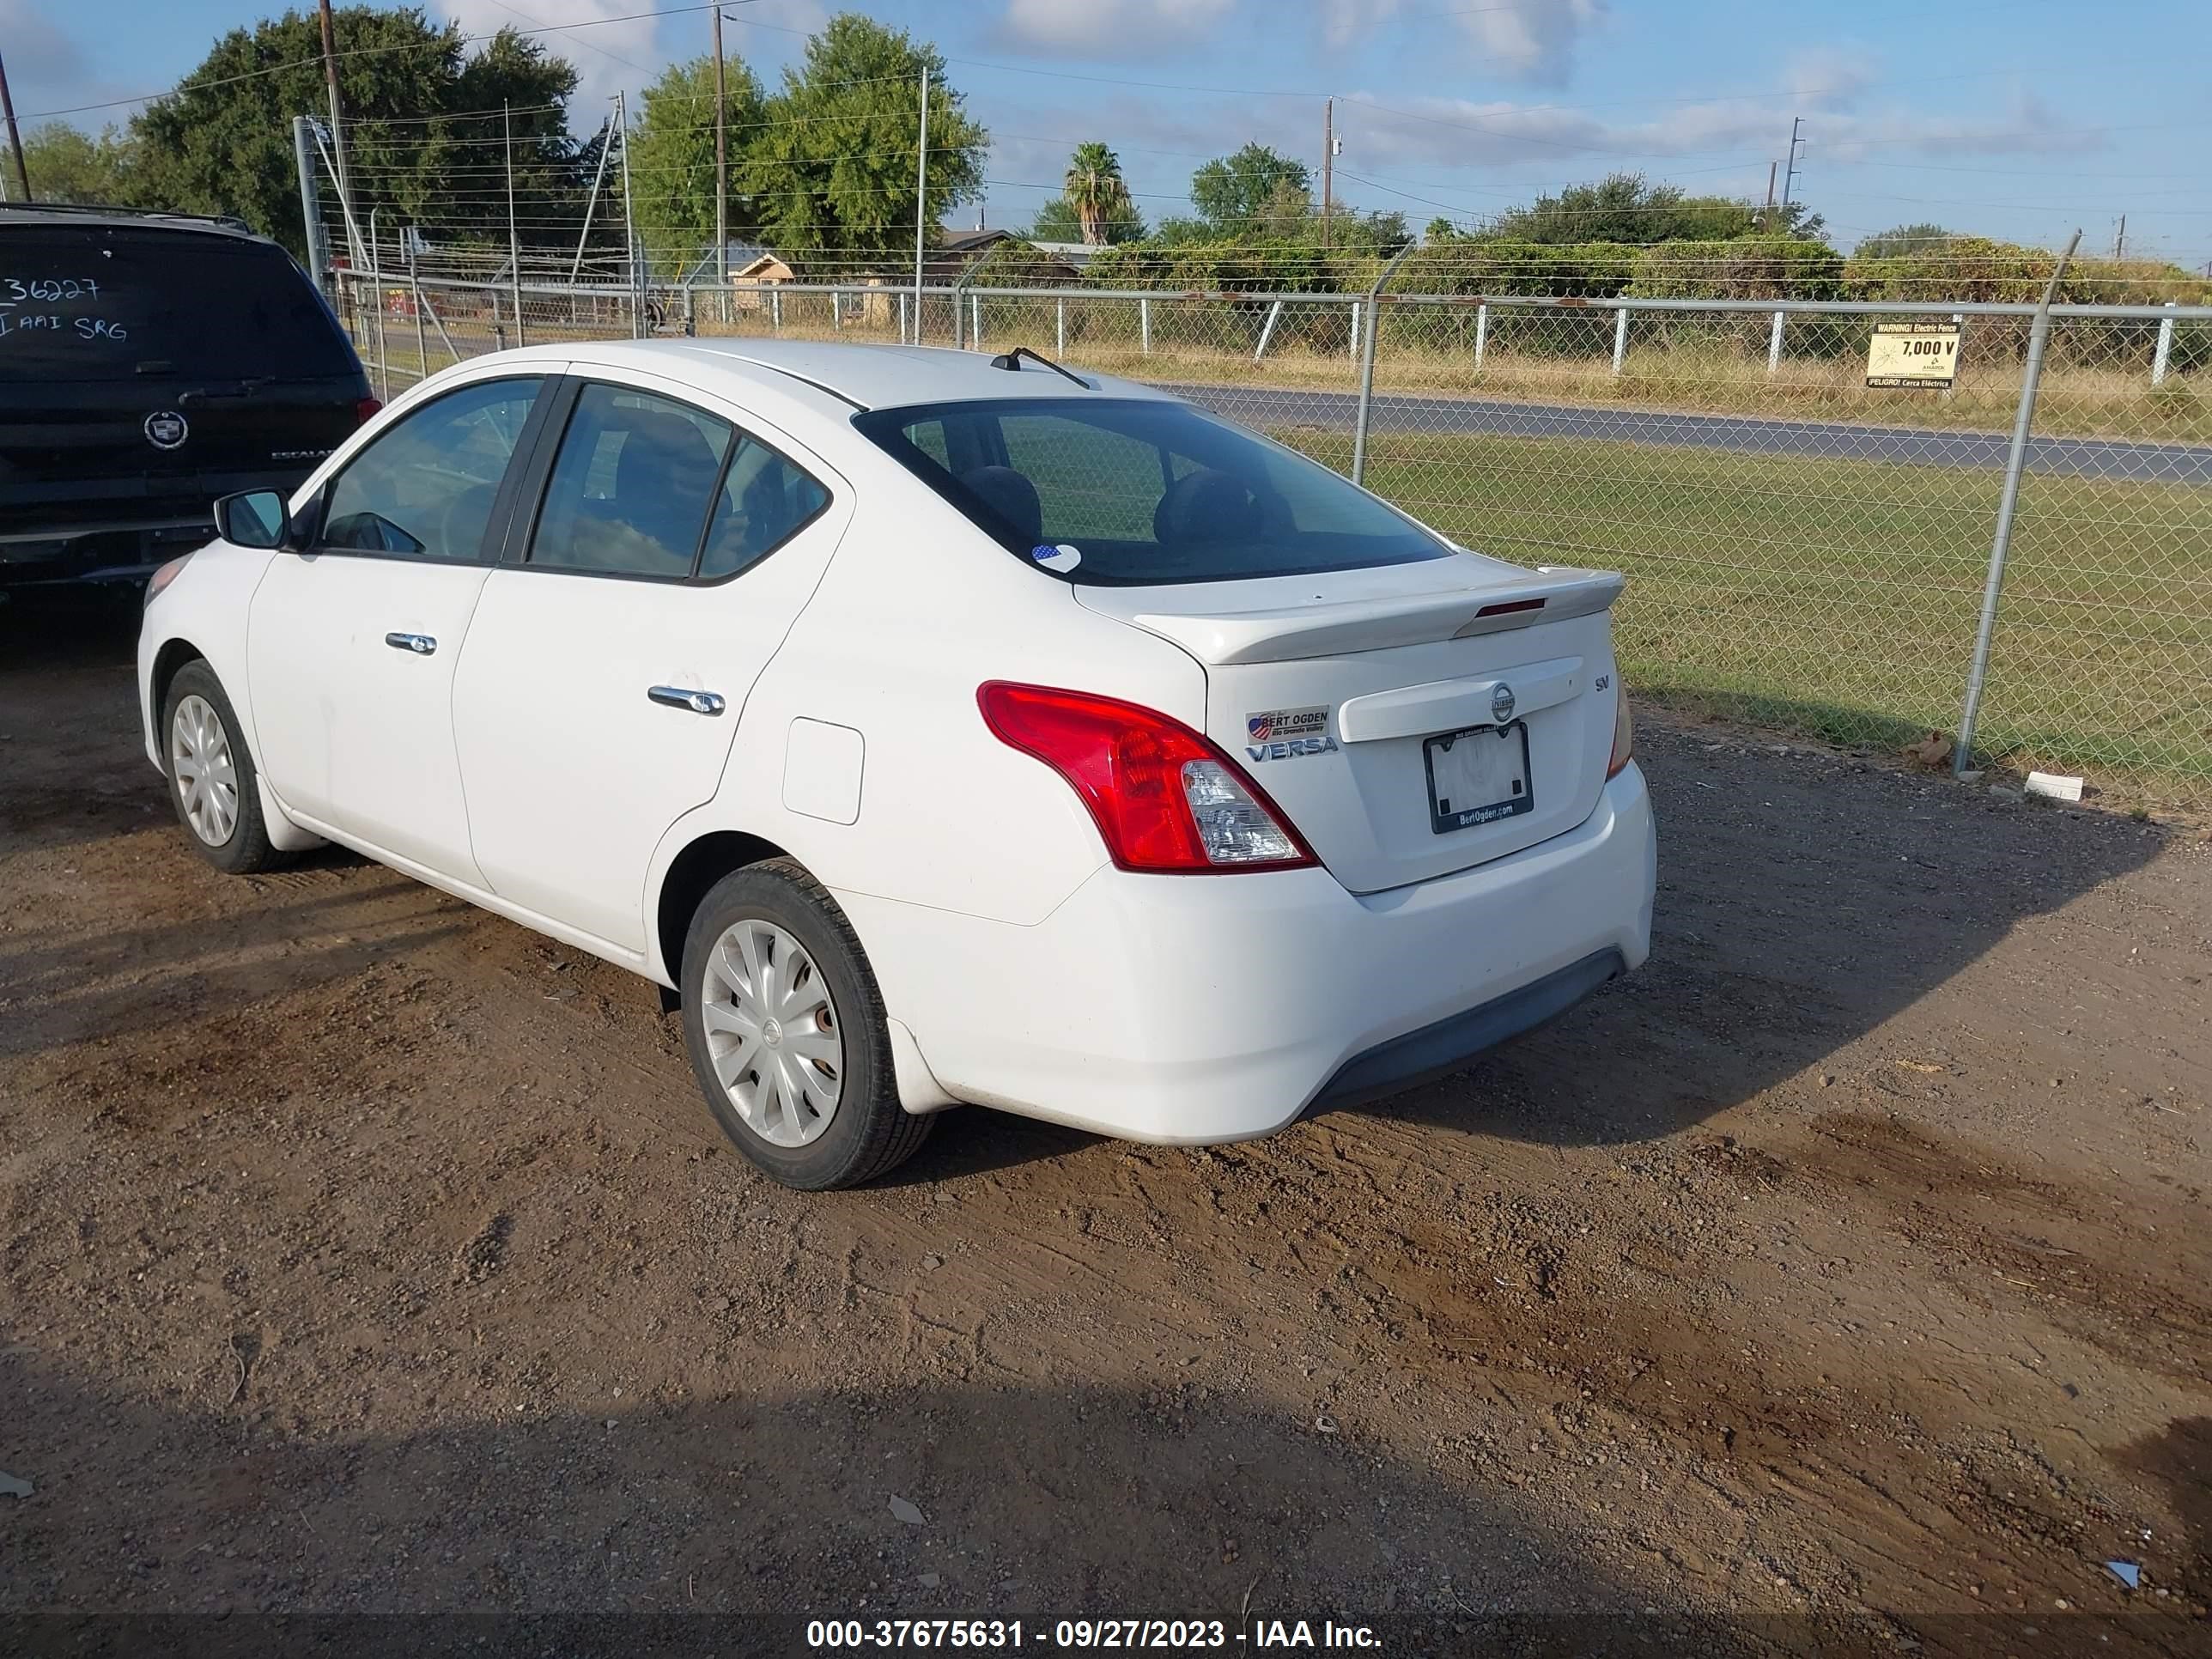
773 1033
207 776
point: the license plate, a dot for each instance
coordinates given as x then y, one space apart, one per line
1478 776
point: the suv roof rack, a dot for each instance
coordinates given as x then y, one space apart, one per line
102 209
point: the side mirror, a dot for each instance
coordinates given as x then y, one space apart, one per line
253 518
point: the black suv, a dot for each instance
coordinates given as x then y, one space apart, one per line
148 364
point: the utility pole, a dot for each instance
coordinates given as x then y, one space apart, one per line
513 239
14 139
721 164
2120 241
921 206
598 177
338 129
1766 222
1789 173
311 208
629 226
1327 163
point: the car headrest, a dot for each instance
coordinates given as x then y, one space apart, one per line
664 454
1205 505
1011 495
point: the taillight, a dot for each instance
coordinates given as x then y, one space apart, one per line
1624 729
1165 800
365 407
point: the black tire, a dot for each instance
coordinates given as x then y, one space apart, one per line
869 1134
246 849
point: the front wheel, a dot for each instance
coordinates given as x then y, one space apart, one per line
786 1031
212 781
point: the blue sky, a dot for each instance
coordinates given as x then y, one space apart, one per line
2021 119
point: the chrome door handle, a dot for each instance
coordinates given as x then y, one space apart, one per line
699 702
421 644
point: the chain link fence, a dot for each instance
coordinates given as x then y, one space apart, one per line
1805 551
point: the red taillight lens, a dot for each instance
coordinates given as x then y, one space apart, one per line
1624 729
365 407
1164 799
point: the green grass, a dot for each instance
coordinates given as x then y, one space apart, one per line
1839 598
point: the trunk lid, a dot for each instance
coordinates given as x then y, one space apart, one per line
1337 693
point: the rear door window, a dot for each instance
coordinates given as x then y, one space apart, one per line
764 501
126 303
631 487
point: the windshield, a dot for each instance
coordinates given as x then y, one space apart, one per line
97 302
1128 492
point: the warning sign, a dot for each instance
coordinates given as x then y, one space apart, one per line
1913 355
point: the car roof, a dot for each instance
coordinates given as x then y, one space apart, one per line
50 215
865 376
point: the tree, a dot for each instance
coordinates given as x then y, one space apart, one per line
832 165
423 133
65 165
1099 195
1628 208
1055 221
1900 241
1235 193
1379 230
673 160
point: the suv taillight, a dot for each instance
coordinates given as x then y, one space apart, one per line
1624 729
365 407
1165 800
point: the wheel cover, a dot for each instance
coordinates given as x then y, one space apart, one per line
205 771
773 1033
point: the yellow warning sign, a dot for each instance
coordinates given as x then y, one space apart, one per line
1912 355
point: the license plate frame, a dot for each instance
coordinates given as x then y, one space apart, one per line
1443 819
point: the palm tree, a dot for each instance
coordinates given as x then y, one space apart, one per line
1096 190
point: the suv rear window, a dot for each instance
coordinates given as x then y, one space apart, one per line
1143 492
120 303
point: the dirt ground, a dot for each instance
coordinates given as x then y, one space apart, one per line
1838 1282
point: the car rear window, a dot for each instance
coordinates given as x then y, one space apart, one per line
1126 492
101 303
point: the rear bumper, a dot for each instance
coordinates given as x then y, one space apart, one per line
1437 1050
1204 1009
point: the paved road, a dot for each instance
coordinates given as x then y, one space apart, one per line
2100 457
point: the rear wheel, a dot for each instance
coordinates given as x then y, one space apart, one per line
787 1033
212 779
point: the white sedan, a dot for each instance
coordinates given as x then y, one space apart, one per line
933 727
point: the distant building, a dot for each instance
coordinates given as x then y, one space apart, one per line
958 252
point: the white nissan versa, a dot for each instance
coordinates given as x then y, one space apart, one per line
938 727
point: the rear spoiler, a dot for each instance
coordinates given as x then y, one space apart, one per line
1548 593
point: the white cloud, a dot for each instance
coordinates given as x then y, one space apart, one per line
47 69
1831 76
628 54
607 57
1459 131
1516 40
1120 27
